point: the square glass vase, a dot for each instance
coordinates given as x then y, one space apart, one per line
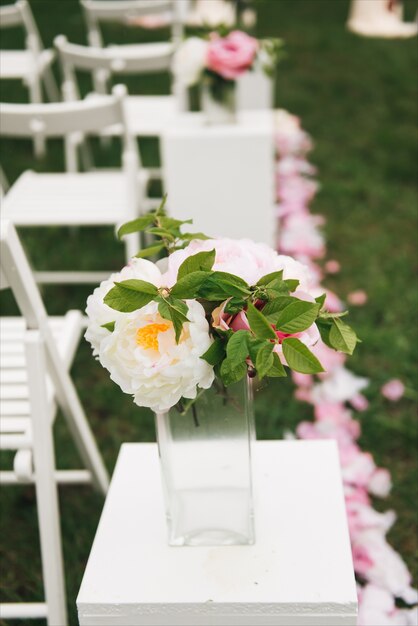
218 103
205 459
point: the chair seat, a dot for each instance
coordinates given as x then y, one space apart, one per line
147 116
20 63
15 423
91 198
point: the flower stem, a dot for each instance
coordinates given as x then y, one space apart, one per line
194 411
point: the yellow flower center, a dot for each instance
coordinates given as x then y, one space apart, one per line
147 336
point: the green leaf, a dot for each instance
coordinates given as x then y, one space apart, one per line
342 337
254 345
189 285
232 373
324 328
277 287
179 306
169 222
292 284
150 251
175 313
109 326
260 326
297 316
237 346
192 236
216 353
200 262
138 285
265 360
135 226
328 316
234 305
277 370
268 278
272 308
321 300
299 357
221 285
126 300
160 210
162 232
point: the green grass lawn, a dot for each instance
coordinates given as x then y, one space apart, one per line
358 99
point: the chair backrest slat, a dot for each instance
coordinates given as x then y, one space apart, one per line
114 59
20 14
123 10
59 119
10 15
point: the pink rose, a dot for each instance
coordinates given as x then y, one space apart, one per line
393 390
239 321
231 56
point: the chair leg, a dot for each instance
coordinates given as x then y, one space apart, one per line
51 88
46 488
84 439
77 422
35 95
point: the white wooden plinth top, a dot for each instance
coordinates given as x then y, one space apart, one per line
299 572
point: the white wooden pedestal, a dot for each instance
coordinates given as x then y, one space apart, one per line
222 176
298 573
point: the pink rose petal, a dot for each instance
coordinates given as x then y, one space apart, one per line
357 298
393 390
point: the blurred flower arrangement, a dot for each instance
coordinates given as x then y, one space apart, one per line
218 61
383 576
221 308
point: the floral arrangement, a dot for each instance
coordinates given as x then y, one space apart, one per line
383 578
218 61
220 308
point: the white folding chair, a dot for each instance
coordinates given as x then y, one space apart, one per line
146 115
36 355
31 65
124 12
95 198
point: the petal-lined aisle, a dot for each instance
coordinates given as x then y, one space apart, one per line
382 575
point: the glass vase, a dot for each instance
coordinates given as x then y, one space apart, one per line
205 458
218 101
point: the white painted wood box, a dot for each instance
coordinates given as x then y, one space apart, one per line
298 573
223 176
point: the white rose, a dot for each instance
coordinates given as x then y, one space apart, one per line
189 61
244 258
143 358
99 313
